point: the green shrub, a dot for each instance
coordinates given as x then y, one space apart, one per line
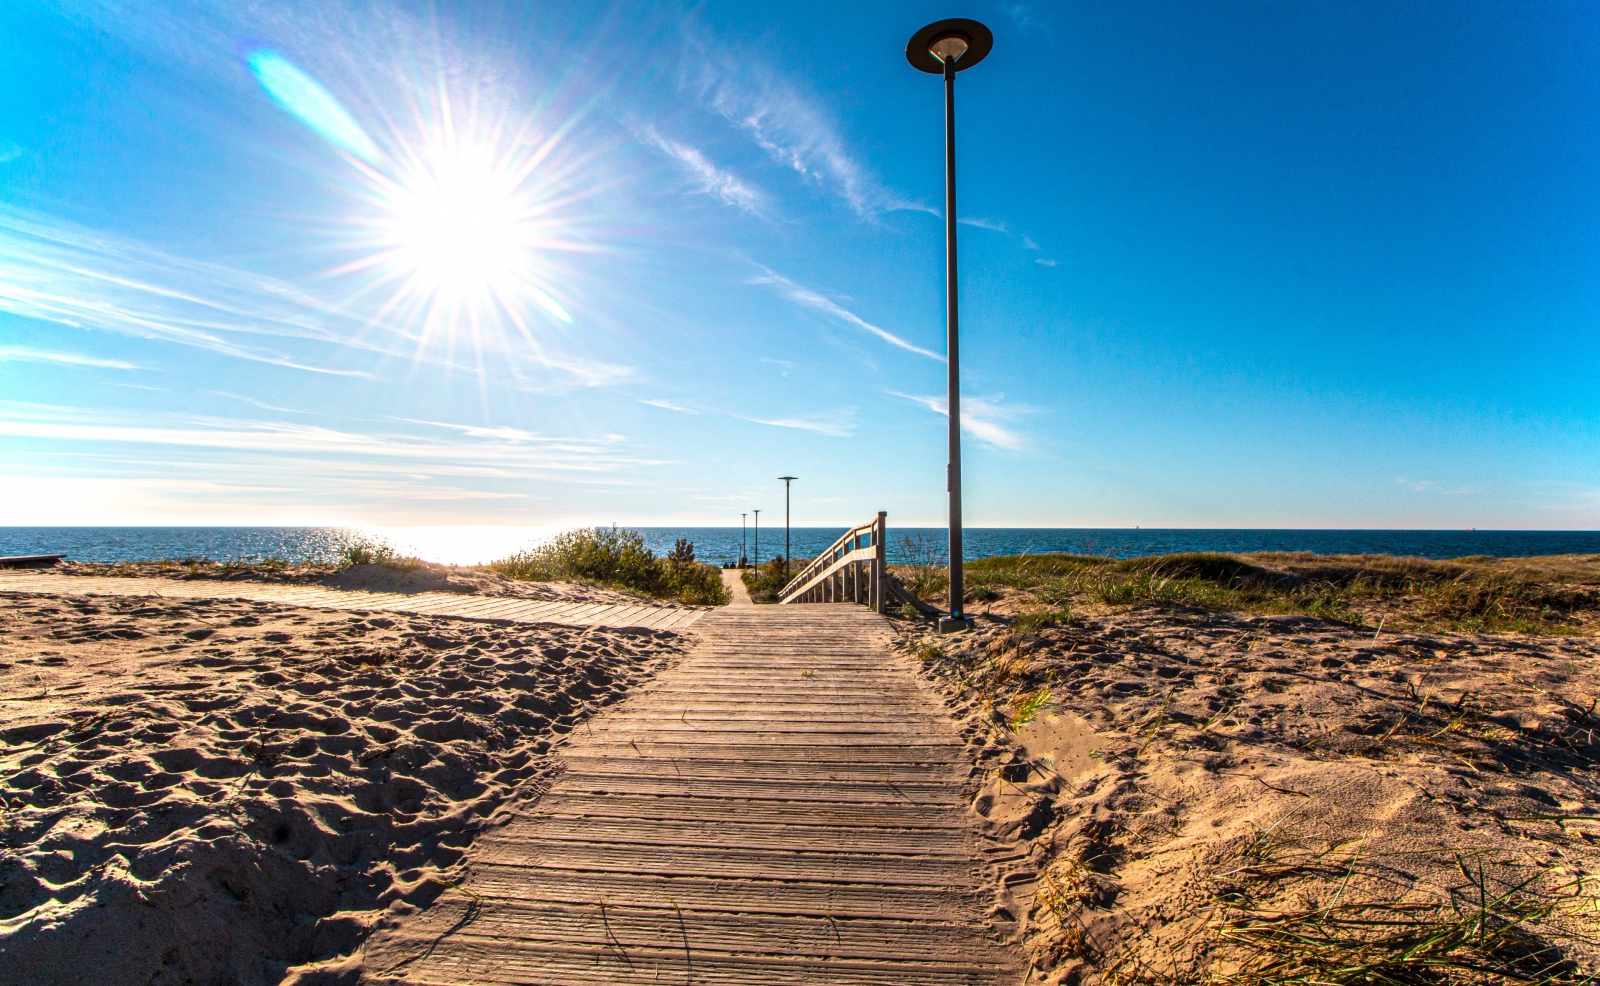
618 559
365 551
766 581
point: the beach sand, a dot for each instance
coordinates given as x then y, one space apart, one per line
408 577
199 791
1194 784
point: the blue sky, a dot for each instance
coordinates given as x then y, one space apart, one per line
1224 264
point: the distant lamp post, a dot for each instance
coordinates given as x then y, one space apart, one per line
786 481
945 48
758 542
744 540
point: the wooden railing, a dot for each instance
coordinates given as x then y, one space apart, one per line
852 570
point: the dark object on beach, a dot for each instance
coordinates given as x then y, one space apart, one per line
29 561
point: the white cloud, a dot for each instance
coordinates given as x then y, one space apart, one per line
58 272
990 224
14 354
1431 486
1043 261
840 424
1028 244
812 299
667 405
713 180
492 448
251 400
787 123
978 418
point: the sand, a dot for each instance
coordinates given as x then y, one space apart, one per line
203 791
379 577
1191 771
234 792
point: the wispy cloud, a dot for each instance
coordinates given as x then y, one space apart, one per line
1026 19
841 424
788 123
56 272
251 400
19 355
509 451
980 418
997 226
667 405
68 275
713 180
813 300
1431 486
992 224
10 152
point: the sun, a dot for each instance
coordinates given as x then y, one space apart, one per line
456 226
463 231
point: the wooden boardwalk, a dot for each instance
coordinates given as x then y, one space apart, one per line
785 806
453 604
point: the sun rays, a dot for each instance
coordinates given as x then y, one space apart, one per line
464 229
463 216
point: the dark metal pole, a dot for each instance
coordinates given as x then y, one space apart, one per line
758 542
953 478
786 481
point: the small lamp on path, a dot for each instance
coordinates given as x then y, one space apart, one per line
945 48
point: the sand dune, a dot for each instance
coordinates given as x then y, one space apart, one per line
218 791
1198 782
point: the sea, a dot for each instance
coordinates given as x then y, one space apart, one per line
467 545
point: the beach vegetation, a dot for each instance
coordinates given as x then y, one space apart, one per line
766 581
1027 707
618 559
1040 617
1282 911
367 551
1529 595
926 571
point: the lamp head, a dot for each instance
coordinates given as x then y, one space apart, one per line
959 40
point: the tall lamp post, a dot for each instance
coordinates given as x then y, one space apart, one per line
786 481
945 48
758 542
744 539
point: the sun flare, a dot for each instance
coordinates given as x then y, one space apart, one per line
464 234
456 227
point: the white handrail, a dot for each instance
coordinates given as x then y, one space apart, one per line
852 566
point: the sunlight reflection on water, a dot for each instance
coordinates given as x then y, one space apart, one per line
467 545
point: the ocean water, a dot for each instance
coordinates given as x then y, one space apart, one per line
478 545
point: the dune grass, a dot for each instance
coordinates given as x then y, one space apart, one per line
767 580
365 551
618 559
1535 595
1284 912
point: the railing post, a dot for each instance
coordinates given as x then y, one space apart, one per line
879 529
